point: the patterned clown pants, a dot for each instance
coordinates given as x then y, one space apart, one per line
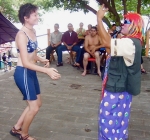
114 116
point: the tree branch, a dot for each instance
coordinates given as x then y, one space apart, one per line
95 12
91 9
139 6
111 9
113 4
124 3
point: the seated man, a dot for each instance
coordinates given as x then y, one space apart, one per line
91 46
55 41
69 40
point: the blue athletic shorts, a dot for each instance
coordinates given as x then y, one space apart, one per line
27 82
9 64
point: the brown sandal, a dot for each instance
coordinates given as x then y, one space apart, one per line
76 64
15 132
25 138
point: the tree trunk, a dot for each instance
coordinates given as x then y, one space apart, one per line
139 6
95 12
91 9
124 3
111 9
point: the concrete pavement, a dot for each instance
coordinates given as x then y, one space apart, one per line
70 107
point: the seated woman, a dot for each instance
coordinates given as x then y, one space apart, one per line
88 32
81 34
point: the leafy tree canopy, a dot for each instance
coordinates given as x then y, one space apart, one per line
117 8
10 7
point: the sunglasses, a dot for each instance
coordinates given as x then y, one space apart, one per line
127 21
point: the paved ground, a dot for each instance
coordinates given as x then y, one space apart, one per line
70 107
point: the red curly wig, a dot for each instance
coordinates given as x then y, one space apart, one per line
136 27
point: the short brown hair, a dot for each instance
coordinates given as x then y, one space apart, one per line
26 10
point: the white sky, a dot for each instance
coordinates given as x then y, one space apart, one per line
64 17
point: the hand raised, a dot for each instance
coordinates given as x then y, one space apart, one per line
101 12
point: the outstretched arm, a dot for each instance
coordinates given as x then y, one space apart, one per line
105 37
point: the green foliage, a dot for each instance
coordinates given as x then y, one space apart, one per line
143 51
72 5
131 7
77 5
10 7
145 6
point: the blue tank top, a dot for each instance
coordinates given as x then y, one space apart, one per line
31 46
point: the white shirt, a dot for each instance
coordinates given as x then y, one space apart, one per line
123 47
70 33
9 59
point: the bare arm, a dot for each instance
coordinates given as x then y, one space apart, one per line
86 44
105 37
74 44
65 44
99 46
21 41
37 58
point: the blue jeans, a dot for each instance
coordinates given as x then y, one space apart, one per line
49 50
62 48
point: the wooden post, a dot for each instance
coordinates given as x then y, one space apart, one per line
48 36
52 58
147 43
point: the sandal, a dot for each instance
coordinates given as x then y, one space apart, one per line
15 132
76 64
25 138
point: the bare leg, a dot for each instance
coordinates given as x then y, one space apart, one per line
29 116
19 123
97 57
39 100
85 62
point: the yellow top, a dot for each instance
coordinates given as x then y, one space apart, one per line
81 33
